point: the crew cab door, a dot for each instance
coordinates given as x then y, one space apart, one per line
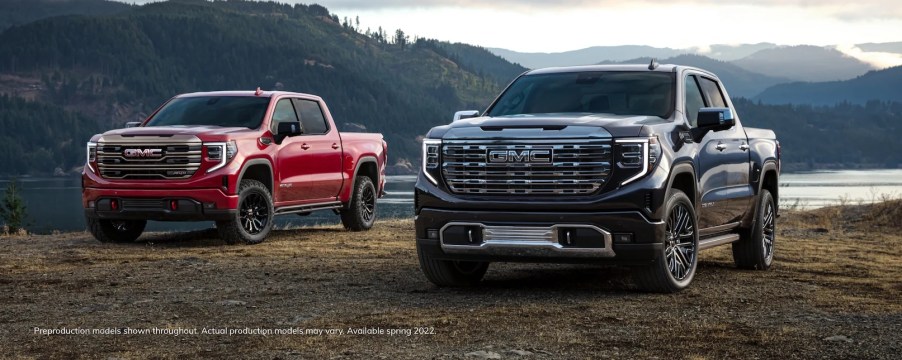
723 159
309 165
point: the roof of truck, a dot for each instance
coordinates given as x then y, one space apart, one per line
617 67
260 93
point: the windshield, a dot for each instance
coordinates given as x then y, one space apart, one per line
225 111
605 92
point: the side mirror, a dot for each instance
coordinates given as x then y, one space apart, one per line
715 119
132 124
466 114
287 129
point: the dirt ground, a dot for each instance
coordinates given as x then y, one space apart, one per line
834 292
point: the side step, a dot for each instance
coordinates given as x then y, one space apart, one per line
308 208
717 240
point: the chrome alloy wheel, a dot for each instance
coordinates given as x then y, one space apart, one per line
680 248
768 234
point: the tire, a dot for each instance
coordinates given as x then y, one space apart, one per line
115 231
361 211
674 267
253 221
755 248
447 273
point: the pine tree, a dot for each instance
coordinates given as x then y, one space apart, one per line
12 208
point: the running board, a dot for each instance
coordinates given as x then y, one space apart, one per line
308 208
717 240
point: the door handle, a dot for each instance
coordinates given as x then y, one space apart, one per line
335 146
305 146
744 147
721 147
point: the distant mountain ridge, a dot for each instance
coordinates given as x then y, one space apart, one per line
739 82
881 85
804 63
794 63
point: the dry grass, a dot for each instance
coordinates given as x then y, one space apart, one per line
841 279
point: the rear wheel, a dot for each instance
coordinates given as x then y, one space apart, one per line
447 273
253 221
361 212
116 231
755 248
675 265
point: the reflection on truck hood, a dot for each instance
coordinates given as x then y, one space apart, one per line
546 126
177 130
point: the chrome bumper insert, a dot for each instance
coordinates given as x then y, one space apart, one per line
527 241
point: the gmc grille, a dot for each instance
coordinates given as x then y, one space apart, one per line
529 168
155 158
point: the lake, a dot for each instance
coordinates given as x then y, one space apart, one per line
55 203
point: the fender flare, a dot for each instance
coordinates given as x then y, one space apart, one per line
364 160
252 162
681 168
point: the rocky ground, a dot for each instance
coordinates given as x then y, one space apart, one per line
326 293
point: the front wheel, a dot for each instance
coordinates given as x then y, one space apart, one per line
361 211
253 221
755 248
675 265
448 273
116 231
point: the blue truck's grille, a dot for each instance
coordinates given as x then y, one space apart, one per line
529 168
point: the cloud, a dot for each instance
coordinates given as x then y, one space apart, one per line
880 60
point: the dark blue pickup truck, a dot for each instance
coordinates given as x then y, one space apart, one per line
639 165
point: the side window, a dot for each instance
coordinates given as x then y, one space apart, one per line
694 100
284 112
712 91
312 119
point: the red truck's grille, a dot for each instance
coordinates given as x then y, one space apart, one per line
150 160
533 168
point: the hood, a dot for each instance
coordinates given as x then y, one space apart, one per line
546 126
193 130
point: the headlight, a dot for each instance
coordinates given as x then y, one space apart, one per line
431 158
637 157
221 152
91 154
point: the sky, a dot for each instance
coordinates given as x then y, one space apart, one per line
562 25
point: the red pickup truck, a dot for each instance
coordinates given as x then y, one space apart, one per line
238 158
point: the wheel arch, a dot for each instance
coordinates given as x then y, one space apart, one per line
257 169
682 177
367 166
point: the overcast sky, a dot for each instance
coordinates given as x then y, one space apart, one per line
553 26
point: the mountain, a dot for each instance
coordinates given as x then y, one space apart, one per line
118 68
804 63
734 52
883 85
890 47
586 56
835 136
18 12
738 81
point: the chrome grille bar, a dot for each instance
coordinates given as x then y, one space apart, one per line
508 168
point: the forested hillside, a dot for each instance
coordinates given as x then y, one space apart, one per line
885 85
844 135
18 12
118 68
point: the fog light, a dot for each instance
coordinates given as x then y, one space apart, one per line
623 238
432 234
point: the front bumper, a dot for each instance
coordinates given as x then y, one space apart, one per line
160 205
611 236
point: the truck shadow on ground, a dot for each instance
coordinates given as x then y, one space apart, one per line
210 237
